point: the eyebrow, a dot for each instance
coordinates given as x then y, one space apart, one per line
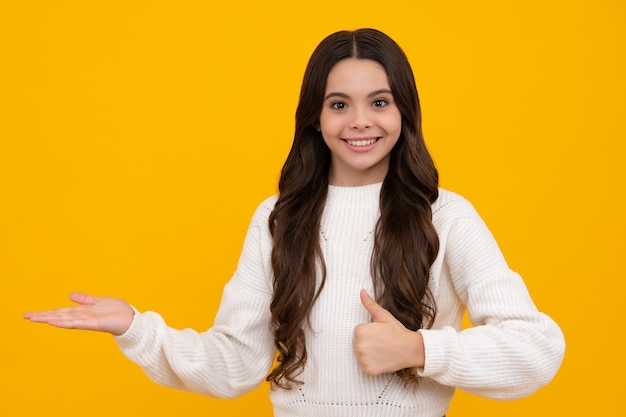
344 95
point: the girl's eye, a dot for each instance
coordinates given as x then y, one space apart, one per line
380 103
338 105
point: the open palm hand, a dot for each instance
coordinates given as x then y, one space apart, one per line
103 314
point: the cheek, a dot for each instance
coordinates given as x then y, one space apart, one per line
330 125
394 124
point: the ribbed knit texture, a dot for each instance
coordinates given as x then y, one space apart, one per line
511 351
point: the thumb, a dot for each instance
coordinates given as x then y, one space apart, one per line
82 298
378 313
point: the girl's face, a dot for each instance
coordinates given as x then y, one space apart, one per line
360 122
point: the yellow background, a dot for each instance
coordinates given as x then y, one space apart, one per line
137 138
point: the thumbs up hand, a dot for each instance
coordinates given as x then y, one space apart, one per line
385 345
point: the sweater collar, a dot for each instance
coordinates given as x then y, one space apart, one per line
362 196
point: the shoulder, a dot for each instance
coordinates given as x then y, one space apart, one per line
456 220
266 206
263 210
466 245
450 207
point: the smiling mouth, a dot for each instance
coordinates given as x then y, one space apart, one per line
362 142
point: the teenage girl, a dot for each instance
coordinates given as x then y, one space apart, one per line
356 276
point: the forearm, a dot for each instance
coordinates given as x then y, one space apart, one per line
494 362
208 363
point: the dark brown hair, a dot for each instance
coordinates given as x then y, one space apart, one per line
406 242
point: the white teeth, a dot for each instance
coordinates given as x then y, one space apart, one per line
361 142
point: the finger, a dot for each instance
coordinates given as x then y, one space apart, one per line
378 313
40 316
60 313
69 318
82 298
77 297
72 323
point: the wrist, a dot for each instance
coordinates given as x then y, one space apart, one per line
417 356
125 321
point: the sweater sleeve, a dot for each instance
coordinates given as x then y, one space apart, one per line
512 349
233 356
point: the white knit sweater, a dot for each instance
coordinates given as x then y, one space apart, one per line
511 351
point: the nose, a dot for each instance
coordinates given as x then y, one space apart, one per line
360 119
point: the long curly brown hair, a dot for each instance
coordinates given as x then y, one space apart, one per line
406 242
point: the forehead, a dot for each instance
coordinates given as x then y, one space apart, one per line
357 74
